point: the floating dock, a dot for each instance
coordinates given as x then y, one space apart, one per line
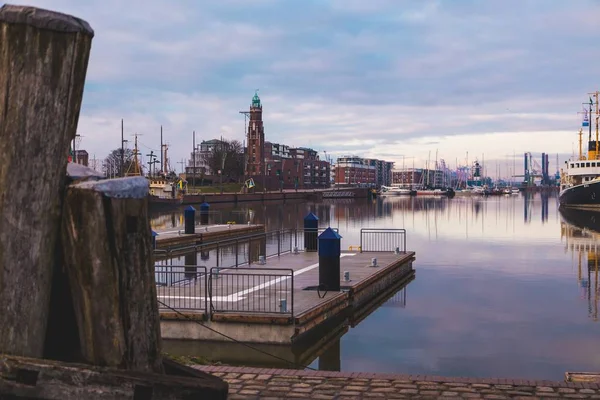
172 239
278 302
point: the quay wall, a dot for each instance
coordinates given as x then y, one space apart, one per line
316 195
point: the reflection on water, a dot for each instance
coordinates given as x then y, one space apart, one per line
506 286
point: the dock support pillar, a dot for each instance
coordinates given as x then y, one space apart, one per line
330 250
204 208
189 215
311 232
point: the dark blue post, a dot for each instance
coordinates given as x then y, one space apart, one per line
330 250
189 215
311 231
154 235
204 208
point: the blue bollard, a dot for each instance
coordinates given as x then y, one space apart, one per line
154 235
189 216
330 249
311 232
204 208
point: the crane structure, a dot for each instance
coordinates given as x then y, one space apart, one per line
532 170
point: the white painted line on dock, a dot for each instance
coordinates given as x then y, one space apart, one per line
235 297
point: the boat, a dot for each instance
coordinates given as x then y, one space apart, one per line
166 191
580 180
436 192
396 190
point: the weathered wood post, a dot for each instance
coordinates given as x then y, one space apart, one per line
107 247
43 62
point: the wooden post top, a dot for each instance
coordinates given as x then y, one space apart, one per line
44 19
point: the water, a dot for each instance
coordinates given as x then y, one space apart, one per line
500 291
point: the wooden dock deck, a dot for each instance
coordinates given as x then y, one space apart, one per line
174 238
276 302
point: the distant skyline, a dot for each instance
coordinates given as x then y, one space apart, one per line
378 78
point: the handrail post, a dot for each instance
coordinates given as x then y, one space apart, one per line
217 254
236 253
292 296
279 243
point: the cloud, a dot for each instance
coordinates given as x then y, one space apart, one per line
379 78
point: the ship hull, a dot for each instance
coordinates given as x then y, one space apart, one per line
156 202
585 195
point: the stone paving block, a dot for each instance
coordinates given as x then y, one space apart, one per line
450 394
545 389
495 397
350 393
319 396
249 392
301 385
575 396
263 377
408 391
519 393
587 391
406 386
248 376
566 390
381 384
383 390
470 395
356 388
429 393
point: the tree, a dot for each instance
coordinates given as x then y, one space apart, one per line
112 163
228 157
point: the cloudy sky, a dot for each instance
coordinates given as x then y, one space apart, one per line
377 78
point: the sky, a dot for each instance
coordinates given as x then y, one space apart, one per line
393 79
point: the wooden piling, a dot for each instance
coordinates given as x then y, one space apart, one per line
107 246
43 63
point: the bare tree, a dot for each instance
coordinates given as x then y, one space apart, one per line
227 157
112 163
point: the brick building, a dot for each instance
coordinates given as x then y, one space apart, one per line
291 168
353 170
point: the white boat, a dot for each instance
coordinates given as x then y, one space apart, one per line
395 190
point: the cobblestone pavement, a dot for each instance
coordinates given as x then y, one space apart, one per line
257 383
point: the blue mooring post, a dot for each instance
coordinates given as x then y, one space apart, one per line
330 249
189 215
204 208
154 235
311 232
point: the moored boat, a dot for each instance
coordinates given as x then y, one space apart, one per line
580 180
396 190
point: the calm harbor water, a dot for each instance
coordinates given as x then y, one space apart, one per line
501 289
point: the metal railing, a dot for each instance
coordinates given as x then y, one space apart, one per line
182 287
252 290
382 240
266 243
